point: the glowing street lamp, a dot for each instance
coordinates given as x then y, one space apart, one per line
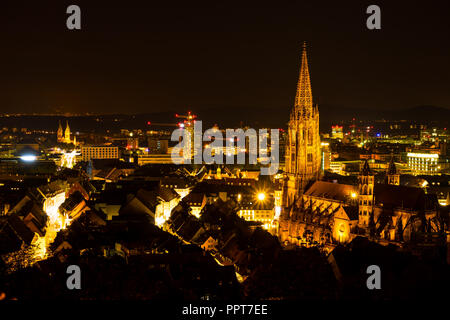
261 196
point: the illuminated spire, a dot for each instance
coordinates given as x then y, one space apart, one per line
303 98
67 127
60 133
67 133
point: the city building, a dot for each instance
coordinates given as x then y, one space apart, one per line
99 152
261 209
326 156
143 159
423 163
158 145
132 143
337 132
196 201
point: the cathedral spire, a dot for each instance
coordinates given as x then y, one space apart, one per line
392 169
366 169
303 155
67 133
60 133
392 176
303 98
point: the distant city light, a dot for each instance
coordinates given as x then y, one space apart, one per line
28 158
261 196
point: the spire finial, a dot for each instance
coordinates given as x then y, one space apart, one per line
366 168
303 98
392 169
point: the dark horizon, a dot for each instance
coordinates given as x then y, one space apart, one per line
150 58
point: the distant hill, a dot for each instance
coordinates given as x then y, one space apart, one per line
226 118
424 114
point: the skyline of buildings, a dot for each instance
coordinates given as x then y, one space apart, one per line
114 195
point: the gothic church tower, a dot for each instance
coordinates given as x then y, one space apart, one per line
392 177
303 157
59 134
365 198
67 133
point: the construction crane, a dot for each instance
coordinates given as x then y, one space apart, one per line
189 122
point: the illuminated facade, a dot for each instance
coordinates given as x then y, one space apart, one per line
331 213
260 208
326 156
325 214
337 132
423 163
265 216
143 159
303 156
68 159
63 136
168 199
99 152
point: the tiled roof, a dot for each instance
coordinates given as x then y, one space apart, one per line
194 197
167 194
400 196
335 191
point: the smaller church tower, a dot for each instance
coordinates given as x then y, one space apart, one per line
392 177
67 133
59 134
365 198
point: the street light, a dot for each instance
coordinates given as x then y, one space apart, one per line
261 196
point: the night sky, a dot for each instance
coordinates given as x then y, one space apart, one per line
144 56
